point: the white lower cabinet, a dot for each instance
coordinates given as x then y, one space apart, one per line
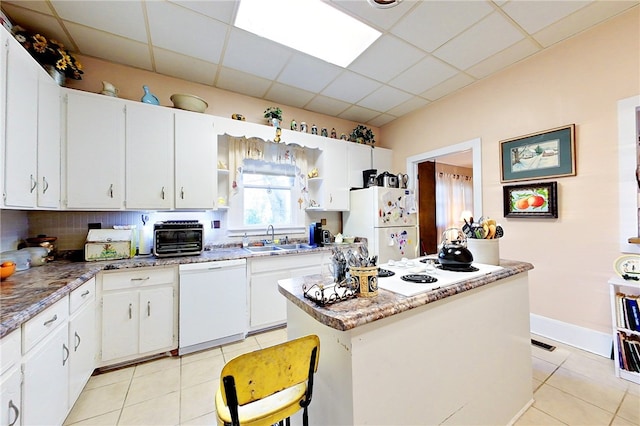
268 308
139 313
82 337
45 365
10 380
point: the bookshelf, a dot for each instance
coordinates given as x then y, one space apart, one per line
623 329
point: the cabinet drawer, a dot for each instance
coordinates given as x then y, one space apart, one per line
138 277
83 294
10 350
44 323
275 263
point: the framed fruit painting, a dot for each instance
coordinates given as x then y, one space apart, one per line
531 200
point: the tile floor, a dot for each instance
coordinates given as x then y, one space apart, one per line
571 387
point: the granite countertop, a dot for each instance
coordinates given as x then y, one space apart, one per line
27 293
351 313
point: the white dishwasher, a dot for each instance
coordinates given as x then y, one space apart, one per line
213 304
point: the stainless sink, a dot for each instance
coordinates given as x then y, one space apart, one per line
297 246
261 249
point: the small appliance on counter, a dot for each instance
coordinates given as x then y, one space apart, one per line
109 244
369 178
178 238
316 235
388 180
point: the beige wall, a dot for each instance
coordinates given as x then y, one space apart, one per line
578 81
129 82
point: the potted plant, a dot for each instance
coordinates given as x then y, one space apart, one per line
362 134
273 115
51 54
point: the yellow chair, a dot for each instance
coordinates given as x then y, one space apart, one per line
269 385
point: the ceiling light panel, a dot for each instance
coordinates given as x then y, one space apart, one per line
309 26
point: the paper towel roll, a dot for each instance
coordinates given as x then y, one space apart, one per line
144 243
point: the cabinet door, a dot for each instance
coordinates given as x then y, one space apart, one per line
119 325
335 185
46 380
48 142
195 163
95 151
20 161
82 345
149 157
382 159
267 306
359 159
10 398
156 319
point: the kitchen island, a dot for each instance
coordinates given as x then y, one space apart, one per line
460 354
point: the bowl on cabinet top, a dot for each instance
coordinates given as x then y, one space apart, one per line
188 102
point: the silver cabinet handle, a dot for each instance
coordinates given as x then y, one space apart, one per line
84 294
15 410
77 343
182 192
34 183
162 192
65 354
45 185
140 279
47 322
130 316
148 308
111 191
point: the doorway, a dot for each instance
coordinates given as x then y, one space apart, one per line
466 154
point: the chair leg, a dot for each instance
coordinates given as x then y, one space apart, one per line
287 421
305 417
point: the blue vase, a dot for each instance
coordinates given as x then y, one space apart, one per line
149 98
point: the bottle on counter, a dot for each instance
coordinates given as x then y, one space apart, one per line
245 240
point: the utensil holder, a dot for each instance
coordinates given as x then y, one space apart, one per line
485 251
365 280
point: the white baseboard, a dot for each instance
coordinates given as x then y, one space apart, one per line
582 338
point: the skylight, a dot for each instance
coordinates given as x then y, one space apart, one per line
310 26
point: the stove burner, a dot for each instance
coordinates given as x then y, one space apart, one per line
383 273
465 269
419 278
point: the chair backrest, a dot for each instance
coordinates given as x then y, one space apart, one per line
266 371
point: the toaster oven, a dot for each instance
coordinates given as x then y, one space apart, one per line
178 238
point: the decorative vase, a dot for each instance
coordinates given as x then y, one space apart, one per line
57 75
149 98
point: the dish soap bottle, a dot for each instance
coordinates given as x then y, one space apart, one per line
245 240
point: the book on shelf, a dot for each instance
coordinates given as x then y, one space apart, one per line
628 311
629 352
633 313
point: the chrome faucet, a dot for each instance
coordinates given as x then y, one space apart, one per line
273 234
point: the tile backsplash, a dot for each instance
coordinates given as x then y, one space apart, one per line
70 227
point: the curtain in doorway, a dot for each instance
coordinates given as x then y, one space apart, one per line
454 193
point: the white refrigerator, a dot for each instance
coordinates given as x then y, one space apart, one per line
387 218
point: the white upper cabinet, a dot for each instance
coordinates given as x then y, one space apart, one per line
48 143
149 157
196 156
95 150
335 186
359 160
21 131
382 159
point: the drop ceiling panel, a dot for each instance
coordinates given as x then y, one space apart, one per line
242 82
500 60
122 18
184 67
369 63
350 87
222 10
309 73
433 23
204 38
425 74
108 46
384 99
38 6
489 36
411 105
456 82
252 54
45 24
280 93
380 18
536 15
381 120
327 105
358 113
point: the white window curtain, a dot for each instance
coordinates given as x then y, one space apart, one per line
454 194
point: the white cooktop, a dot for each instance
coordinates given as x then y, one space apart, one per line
414 266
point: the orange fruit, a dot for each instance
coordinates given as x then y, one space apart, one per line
7 263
